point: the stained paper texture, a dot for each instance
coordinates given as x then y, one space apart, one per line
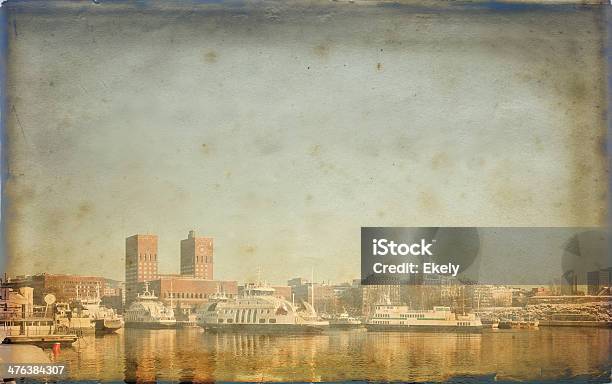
276 131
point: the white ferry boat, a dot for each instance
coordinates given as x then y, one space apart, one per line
258 310
389 317
148 312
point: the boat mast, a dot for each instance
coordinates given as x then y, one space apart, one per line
258 282
312 288
463 300
171 294
98 299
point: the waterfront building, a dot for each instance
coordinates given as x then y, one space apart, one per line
296 281
66 288
598 281
140 263
185 291
486 296
197 256
375 294
36 282
325 297
569 283
16 303
185 294
283 292
280 291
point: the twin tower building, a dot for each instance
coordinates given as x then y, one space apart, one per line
141 260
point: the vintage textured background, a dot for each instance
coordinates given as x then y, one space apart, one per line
282 129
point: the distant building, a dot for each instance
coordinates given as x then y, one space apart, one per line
113 287
283 292
296 281
197 257
36 282
374 294
486 296
280 291
325 295
113 295
300 288
140 262
598 282
16 303
186 294
65 288
569 283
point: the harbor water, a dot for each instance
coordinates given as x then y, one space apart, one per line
545 354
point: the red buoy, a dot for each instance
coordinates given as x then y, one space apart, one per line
56 349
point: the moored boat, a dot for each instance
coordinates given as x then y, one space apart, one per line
490 323
390 317
258 310
106 320
148 312
73 319
345 321
518 323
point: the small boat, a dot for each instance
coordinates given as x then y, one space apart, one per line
105 319
108 325
73 319
529 323
344 321
490 323
518 323
189 322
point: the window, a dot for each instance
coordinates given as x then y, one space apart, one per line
272 321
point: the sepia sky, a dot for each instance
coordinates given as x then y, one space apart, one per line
281 129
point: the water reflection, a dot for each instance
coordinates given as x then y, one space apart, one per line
192 355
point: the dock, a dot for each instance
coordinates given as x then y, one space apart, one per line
40 340
576 323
